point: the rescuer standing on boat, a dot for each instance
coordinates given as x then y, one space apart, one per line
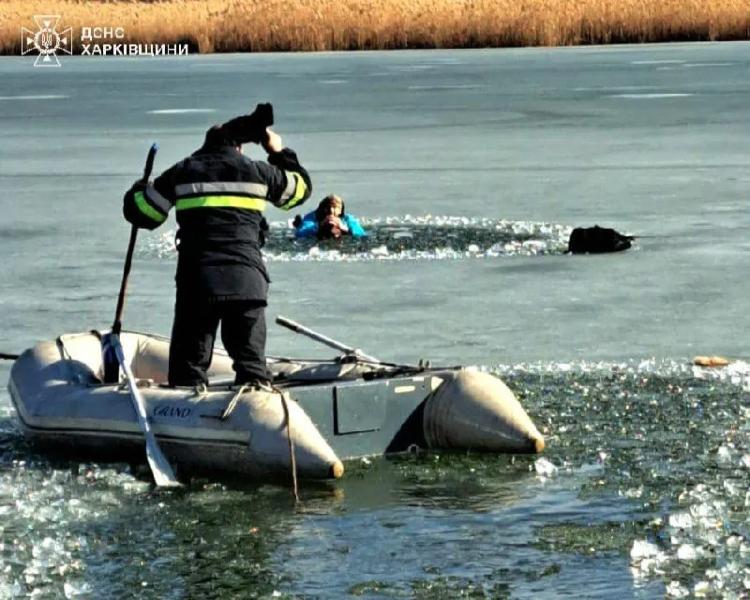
219 195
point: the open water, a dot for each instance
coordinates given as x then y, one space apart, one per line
469 168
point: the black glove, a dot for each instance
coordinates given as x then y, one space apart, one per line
249 128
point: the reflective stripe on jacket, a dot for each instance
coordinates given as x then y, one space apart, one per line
219 196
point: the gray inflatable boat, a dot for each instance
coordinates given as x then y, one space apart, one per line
317 414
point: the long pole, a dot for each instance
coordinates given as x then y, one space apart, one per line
117 325
163 474
319 337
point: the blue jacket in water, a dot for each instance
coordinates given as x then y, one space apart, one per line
309 226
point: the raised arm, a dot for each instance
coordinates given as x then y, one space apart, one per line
289 184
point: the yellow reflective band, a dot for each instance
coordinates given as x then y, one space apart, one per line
299 193
147 209
221 202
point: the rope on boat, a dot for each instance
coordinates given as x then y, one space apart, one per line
292 456
230 407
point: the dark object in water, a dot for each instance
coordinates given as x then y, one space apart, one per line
597 240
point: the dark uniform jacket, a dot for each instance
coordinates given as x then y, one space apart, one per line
219 196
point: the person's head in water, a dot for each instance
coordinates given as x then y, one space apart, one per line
329 216
330 205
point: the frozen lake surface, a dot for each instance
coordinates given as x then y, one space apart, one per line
469 168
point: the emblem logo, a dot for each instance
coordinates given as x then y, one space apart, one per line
47 41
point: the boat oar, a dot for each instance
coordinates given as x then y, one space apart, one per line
319 337
6 356
163 474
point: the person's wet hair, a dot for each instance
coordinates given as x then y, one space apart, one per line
322 211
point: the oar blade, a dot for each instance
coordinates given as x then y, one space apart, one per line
163 474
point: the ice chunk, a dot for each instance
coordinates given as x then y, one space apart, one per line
643 549
681 520
702 588
724 455
544 468
75 590
687 552
676 590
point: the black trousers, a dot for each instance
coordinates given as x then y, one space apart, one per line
243 333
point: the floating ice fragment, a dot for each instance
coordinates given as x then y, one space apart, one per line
473 248
646 567
724 455
74 590
380 251
681 521
534 246
699 372
136 487
676 590
544 468
702 511
633 492
643 549
701 588
700 492
687 552
47 548
731 488
734 541
745 461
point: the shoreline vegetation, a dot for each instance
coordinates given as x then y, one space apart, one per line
314 25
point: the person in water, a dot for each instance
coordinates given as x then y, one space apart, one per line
329 221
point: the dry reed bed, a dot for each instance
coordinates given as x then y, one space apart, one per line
278 25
